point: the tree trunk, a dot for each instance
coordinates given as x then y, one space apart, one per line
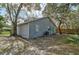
15 22
12 18
14 32
59 27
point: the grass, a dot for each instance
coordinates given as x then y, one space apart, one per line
71 39
5 33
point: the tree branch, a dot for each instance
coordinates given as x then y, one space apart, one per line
9 12
18 10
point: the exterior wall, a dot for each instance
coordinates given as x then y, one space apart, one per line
18 30
23 30
42 26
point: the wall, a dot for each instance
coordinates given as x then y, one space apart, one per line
42 27
23 30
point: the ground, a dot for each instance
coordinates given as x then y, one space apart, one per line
51 45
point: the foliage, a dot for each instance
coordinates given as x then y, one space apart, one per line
2 22
72 39
13 11
62 13
67 14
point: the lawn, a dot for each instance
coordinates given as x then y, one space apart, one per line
5 33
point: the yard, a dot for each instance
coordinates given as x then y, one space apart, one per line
5 33
52 45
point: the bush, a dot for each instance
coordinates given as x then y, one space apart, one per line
72 39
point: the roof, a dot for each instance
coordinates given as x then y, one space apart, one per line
29 21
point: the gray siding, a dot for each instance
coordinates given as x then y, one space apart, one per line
18 30
35 28
42 26
23 30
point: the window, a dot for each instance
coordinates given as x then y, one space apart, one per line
37 28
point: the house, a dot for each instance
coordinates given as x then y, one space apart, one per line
36 28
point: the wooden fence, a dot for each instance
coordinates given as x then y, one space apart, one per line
70 31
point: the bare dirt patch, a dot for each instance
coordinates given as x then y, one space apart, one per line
52 45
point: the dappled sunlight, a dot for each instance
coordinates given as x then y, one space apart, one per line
40 46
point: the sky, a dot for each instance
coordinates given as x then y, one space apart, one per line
36 13
2 11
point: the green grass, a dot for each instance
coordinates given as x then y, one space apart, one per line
70 39
5 33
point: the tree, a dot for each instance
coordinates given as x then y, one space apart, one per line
58 11
13 11
1 23
31 7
